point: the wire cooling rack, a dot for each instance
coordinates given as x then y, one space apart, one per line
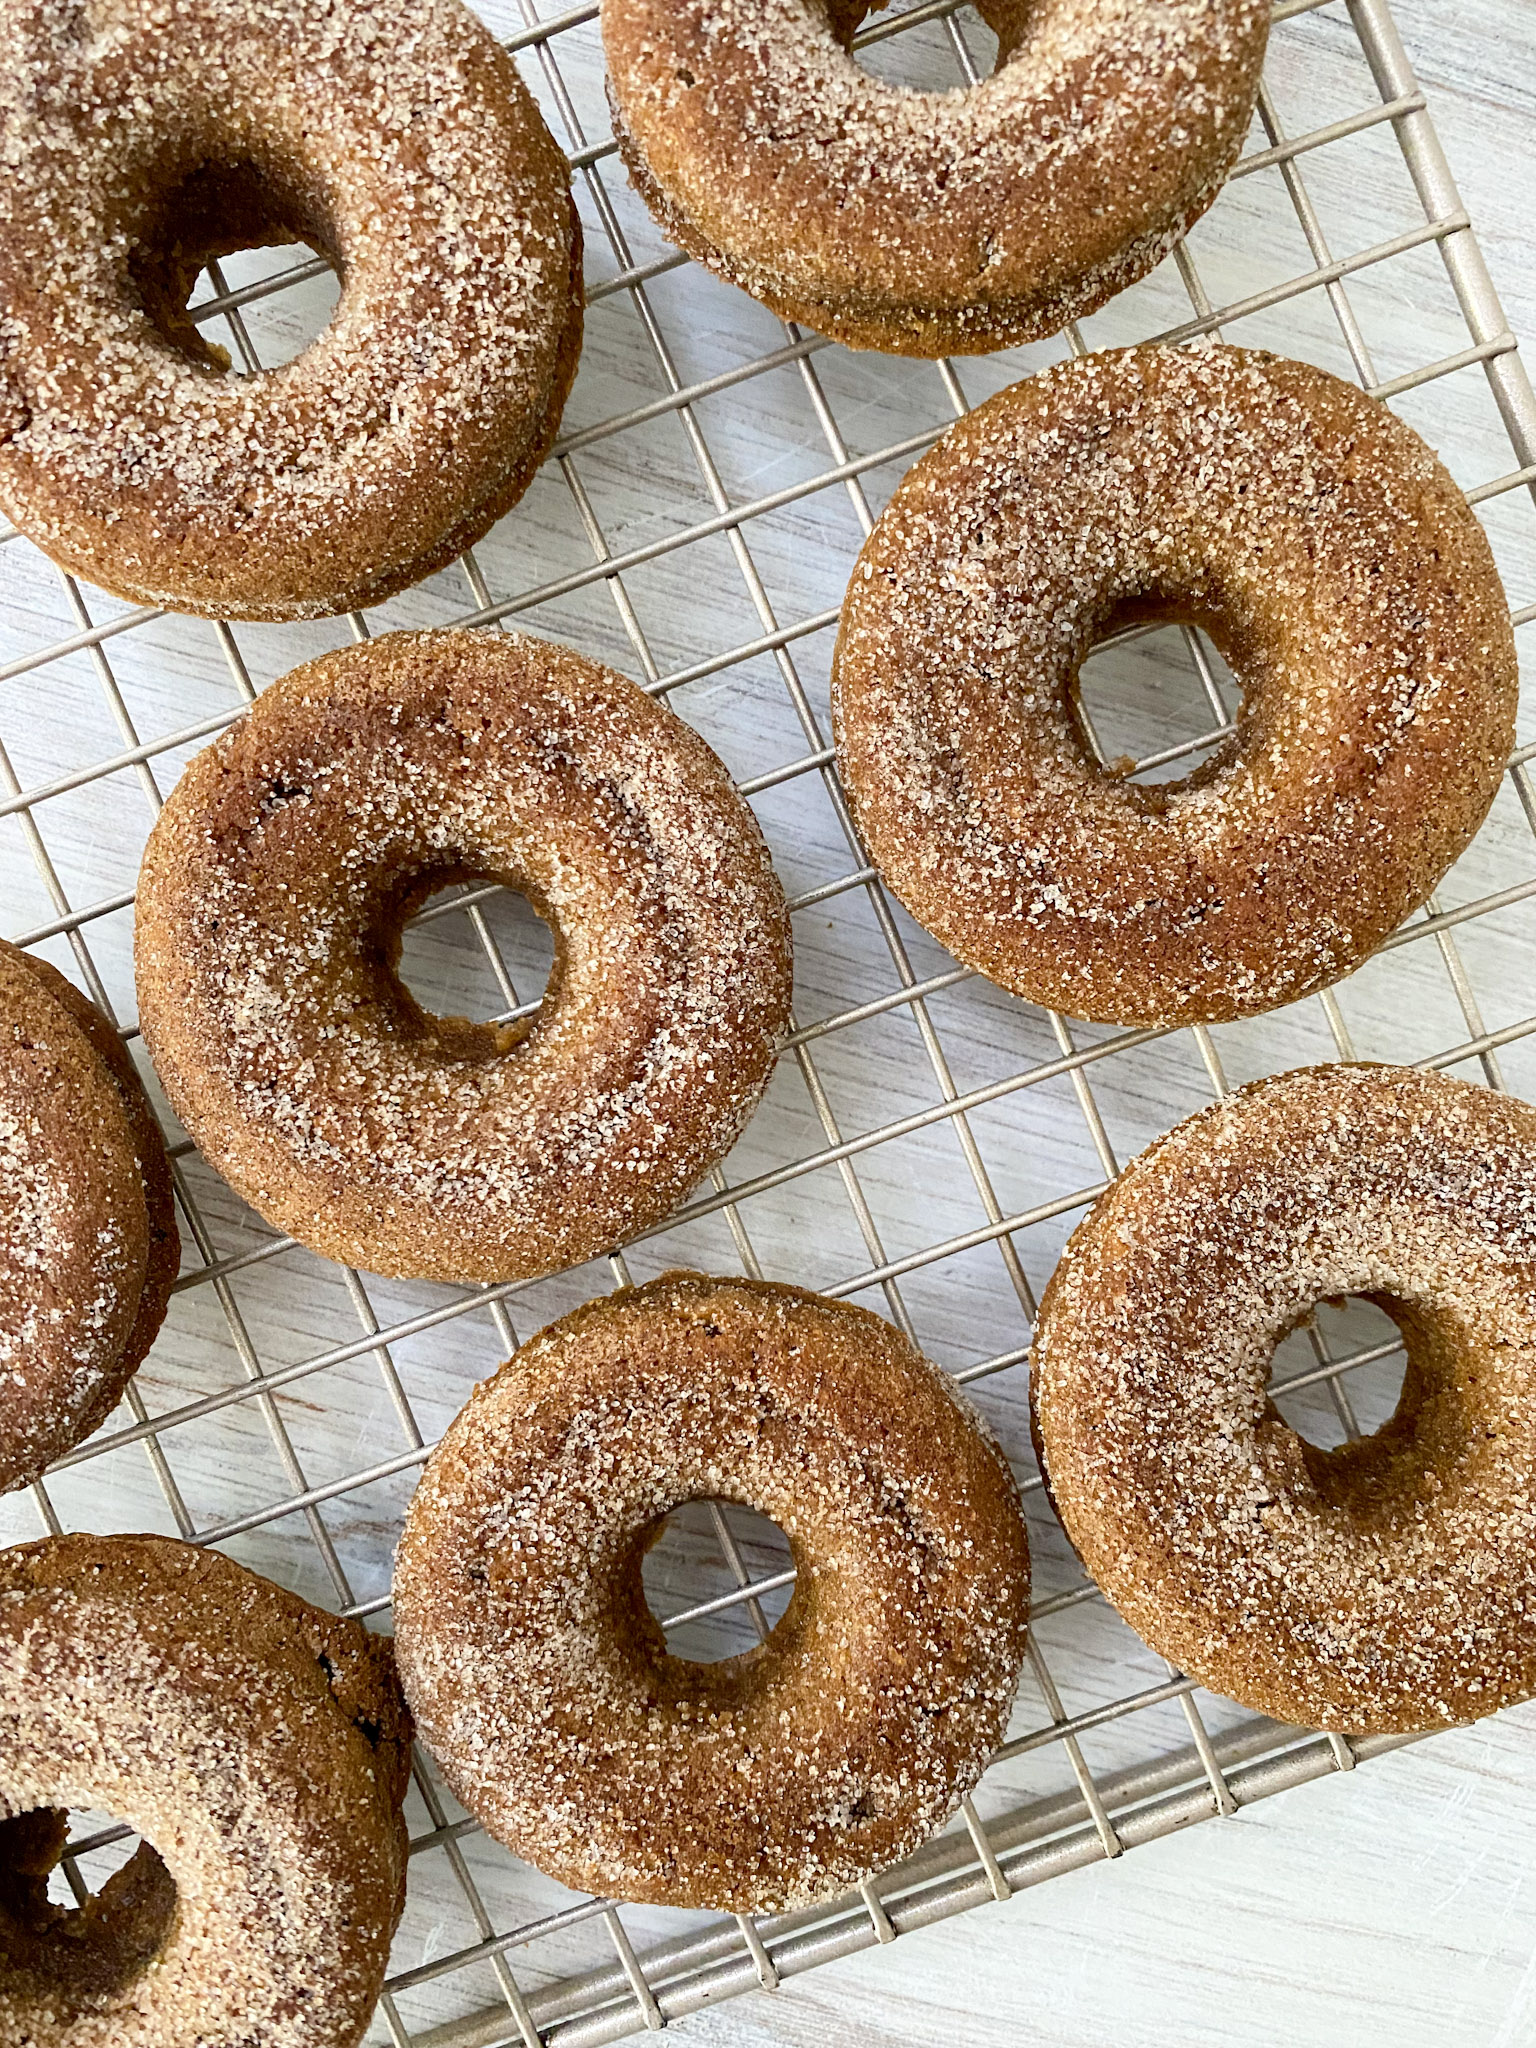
928 1142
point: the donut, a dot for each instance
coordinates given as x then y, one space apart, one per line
1386 1585
1340 572
143 140
931 223
542 1683
270 906
88 1240
261 1750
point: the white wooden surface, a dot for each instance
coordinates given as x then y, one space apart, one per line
1395 1907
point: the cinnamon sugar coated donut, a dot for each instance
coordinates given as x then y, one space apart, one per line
141 140
543 1684
931 223
1389 1584
1340 572
270 908
260 1749
88 1241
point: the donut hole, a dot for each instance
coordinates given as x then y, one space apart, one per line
1319 1404
922 57
688 1565
1151 703
232 215
280 326
85 1903
98 1847
476 956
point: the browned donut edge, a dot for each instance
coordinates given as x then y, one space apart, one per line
164 1261
923 332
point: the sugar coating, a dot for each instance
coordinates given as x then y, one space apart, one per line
67 1273
1386 1585
932 223
1340 571
88 1245
542 1683
261 1750
270 905
140 137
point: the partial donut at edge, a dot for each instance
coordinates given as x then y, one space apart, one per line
85 1167
932 223
259 1747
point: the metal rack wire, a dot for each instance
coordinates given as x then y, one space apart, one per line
928 1142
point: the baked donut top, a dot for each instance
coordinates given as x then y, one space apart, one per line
1340 571
1104 119
134 139
1387 1583
288 857
762 1781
